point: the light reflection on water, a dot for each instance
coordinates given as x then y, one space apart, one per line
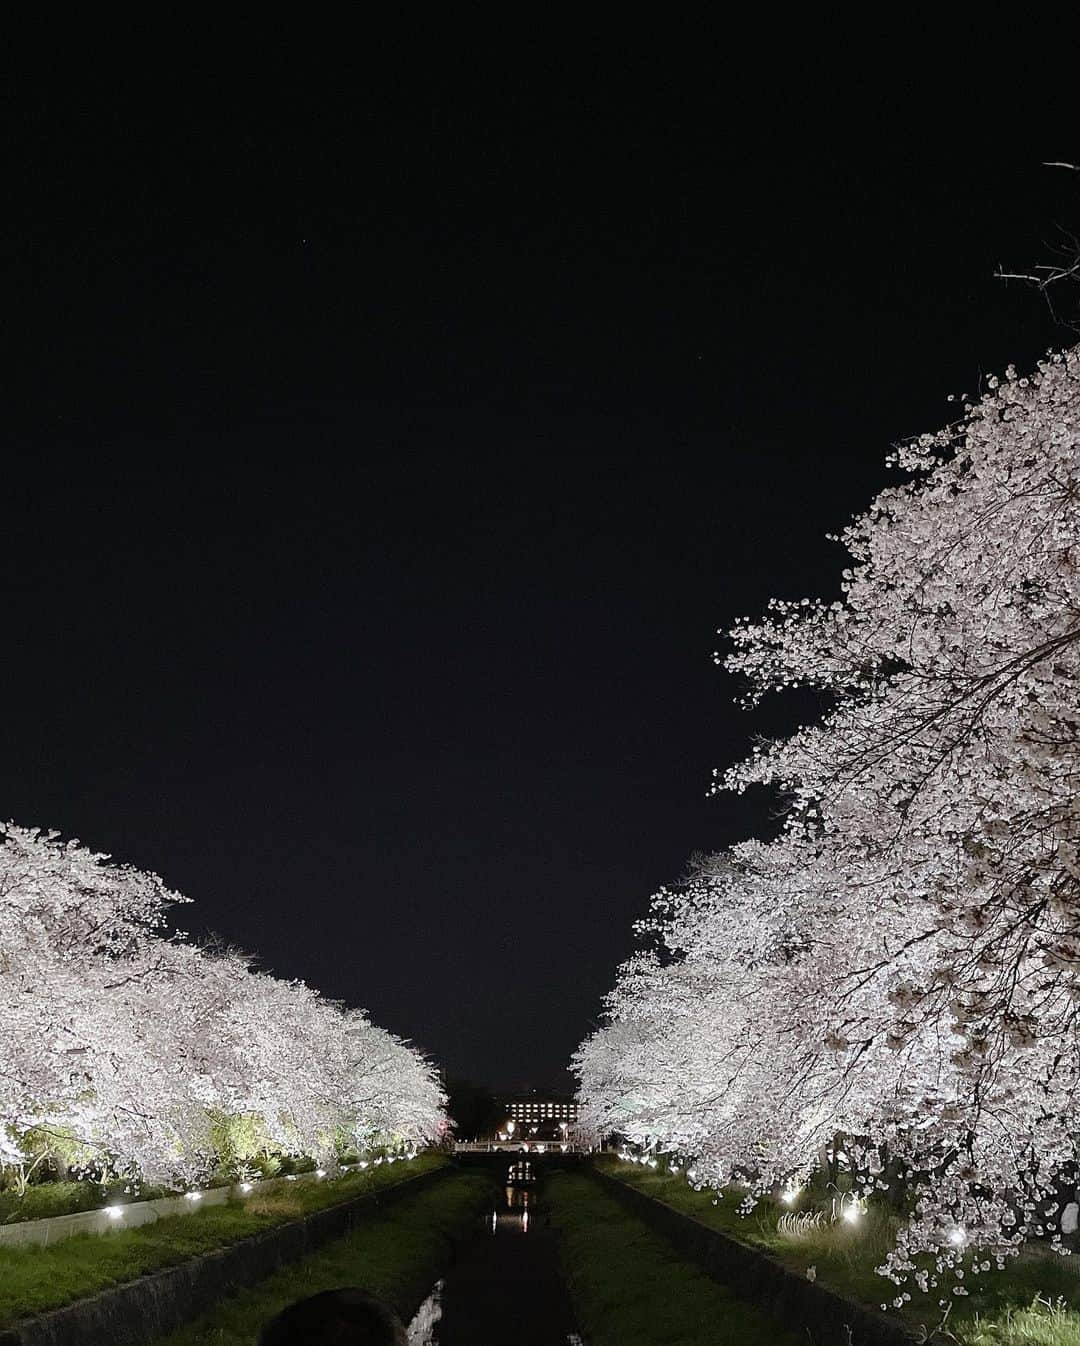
424 1328
513 1218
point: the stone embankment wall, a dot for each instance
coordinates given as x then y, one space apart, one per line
139 1311
825 1317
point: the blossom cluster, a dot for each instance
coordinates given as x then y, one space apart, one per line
901 965
132 1044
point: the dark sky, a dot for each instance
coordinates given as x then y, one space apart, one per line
383 457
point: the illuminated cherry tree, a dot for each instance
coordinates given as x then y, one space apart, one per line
123 1038
79 946
903 964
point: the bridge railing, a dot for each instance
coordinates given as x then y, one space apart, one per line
521 1147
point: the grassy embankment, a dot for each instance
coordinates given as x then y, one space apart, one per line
396 1254
34 1278
46 1199
630 1287
42 1200
1029 1304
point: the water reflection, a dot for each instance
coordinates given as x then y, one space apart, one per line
488 1283
516 1214
424 1328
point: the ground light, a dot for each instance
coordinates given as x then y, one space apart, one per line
114 1212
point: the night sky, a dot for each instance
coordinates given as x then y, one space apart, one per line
383 461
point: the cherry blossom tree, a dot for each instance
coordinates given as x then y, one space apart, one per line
941 790
903 964
79 947
123 1037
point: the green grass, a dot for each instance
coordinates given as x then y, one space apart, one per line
717 1211
631 1288
35 1278
45 1199
1043 1323
396 1254
1028 1304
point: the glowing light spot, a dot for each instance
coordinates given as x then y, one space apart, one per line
114 1212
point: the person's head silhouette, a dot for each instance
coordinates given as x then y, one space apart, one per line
335 1318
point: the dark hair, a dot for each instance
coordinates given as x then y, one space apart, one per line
335 1318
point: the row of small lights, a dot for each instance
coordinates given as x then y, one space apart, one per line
850 1211
852 1208
116 1212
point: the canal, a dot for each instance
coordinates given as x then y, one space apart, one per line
506 1283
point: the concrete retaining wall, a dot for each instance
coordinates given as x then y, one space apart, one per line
137 1312
826 1318
54 1228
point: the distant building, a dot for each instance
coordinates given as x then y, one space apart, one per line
538 1116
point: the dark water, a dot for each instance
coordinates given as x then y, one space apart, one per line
506 1285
